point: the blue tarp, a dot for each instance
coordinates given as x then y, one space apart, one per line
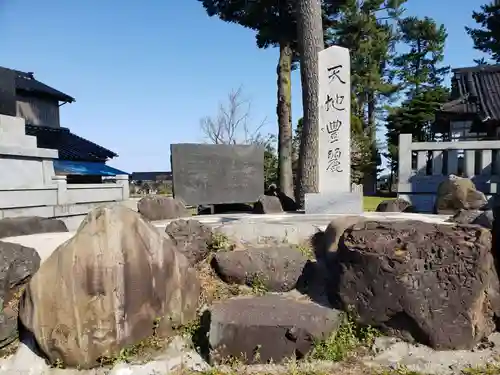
65 167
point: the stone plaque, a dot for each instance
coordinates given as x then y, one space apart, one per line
7 92
217 174
334 153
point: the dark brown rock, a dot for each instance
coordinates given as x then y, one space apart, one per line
434 284
457 193
277 268
161 208
21 226
17 265
191 237
268 328
268 204
395 205
105 289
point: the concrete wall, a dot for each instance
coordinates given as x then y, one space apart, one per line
29 186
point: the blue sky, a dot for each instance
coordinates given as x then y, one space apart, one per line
145 73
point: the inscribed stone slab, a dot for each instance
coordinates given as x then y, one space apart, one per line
333 202
217 174
334 164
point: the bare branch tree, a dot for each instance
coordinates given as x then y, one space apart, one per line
233 124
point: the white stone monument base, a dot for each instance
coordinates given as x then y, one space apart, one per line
334 203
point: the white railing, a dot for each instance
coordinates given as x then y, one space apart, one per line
60 193
424 165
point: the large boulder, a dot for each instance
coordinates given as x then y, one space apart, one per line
275 268
457 193
154 207
17 264
106 288
192 238
21 226
268 204
268 328
431 283
395 205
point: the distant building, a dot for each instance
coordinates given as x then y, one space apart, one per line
38 104
473 112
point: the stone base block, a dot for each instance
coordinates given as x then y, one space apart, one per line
334 203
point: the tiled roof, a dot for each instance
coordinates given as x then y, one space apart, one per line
26 82
476 90
69 145
151 176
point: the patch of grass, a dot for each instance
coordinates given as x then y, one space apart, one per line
212 287
489 369
345 341
307 250
370 203
141 352
258 285
220 242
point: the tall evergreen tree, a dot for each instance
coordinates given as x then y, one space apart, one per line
311 42
419 68
276 26
487 36
421 76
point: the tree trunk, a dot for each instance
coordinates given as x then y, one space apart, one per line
284 112
310 40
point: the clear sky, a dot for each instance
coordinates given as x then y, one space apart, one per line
144 72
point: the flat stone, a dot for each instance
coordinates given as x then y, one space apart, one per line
270 327
334 203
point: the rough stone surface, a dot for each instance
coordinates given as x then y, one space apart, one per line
192 238
277 268
478 217
17 265
391 352
268 204
104 289
434 284
457 193
161 208
270 327
21 226
395 205
334 231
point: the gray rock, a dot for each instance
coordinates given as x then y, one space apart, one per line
192 238
433 284
477 217
485 219
457 193
161 208
395 205
17 264
21 226
270 327
277 268
268 204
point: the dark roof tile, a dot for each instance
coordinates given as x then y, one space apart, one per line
69 145
476 90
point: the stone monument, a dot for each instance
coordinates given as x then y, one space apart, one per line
334 148
205 174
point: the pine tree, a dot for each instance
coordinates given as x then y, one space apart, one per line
419 68
487 37
276 26
421 78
